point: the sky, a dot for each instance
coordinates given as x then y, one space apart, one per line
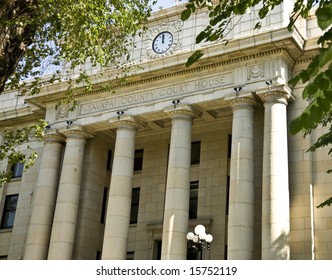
166 4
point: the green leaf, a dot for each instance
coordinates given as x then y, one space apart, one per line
263 12
309 90
194 57
324 16
201 36
185 14
306 121
328 95
295 126
323 104
258 25
325 56
323 83
326 37
214 37
328 74
304 75
313 66
294 81
316 114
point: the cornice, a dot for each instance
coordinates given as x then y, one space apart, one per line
183 72
307 56
19 122
237 51
160 16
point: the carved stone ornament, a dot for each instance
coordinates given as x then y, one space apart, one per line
174 28
63 111
255 71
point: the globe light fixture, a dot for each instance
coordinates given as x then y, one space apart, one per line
199 240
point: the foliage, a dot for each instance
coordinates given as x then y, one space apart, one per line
318 75
77 31
13 140
327 202
39 35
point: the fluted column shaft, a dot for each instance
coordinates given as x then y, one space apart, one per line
119 201
176 212
275 195
241 197
44 198
65 216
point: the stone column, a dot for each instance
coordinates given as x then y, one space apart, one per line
65 216
275 193
241 197
119 201
44 198
176 212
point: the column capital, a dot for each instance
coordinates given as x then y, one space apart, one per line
276 97
126 121
244 102
53 136
75 131
181 110
276 94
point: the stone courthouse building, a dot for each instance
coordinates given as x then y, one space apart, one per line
132 170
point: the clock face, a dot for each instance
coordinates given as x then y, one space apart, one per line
162 42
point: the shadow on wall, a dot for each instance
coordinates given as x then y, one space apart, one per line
280 247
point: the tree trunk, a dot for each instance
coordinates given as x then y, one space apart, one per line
17 29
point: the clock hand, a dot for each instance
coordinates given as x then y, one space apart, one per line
163 38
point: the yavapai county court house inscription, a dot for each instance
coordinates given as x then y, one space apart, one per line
177 90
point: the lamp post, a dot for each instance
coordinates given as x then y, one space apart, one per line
199 240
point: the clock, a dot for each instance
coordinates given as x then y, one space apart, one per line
162 42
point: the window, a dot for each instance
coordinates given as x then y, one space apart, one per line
229 151
130 256
103 207
193 202
195 152
17 169
98 255
157 250
9 211
138 160
134 205
227 194
109 160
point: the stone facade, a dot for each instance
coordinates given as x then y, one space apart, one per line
134 168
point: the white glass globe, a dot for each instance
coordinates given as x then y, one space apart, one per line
209 238
195 238
190 236
202 236
200 230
